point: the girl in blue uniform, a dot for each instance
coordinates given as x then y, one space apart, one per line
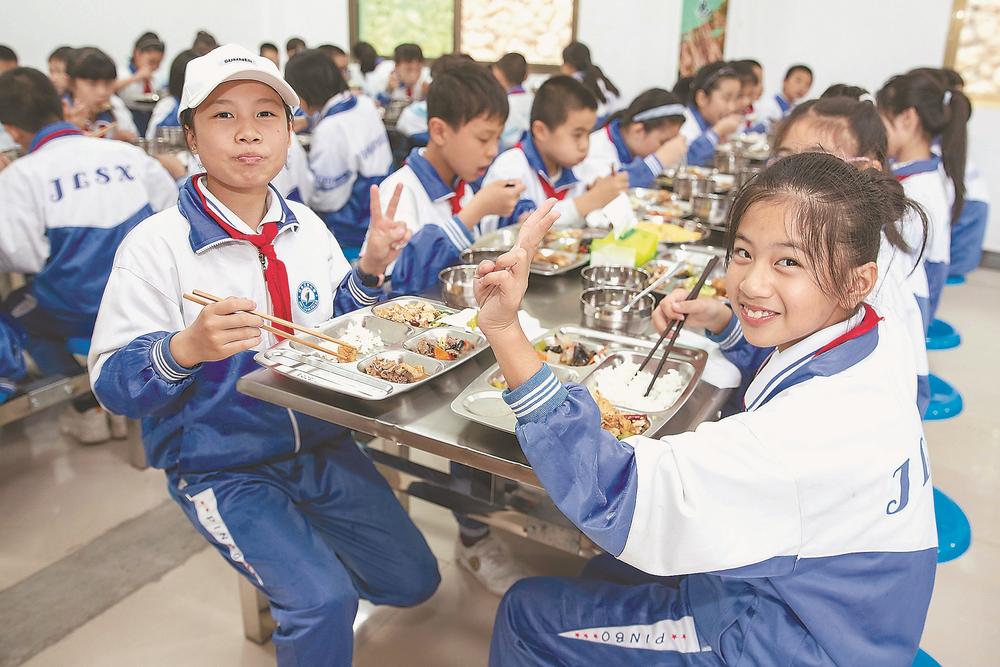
805 524
712 114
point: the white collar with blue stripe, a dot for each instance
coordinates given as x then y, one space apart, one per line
566 177
783 104
824 353
339 103
200 207
51 132
429 179
903 169
698 118
614 130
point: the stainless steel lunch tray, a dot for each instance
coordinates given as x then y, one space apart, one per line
483 403
326 371
505 238
696 257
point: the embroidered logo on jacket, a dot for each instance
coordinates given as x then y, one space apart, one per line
307 297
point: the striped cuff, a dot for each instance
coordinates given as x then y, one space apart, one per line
730 336
456 231
653 164
365 296
537 397
712 136
164 363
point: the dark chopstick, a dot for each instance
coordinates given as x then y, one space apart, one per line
680 325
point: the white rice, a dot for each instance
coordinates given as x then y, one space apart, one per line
623 387
365 340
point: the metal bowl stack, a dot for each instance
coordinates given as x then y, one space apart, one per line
601 308
458 285
614 276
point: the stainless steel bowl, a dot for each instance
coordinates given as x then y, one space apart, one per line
688 185
458 285
711 209
730 161
601 308
476 255
614 276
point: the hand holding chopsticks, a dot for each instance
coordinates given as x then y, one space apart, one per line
676 329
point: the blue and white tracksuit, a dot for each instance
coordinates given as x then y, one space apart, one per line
12 367
413 123
118 115
771 110
518 122
348 154
608 151
701 138
164 115
524 163
807 537
968 232
290 501
65 208
924 183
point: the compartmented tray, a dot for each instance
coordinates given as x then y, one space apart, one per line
564 258
482 401
402 343
692 262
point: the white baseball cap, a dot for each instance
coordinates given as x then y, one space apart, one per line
231 62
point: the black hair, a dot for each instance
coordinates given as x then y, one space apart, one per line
955 80
268 45
407 52
646 100
295 43
514 67
329 50
314 77
744 68
709 77
942 112
204 42
750 61
463 92
93 64
28 100
7 54
178 68
447 61
62 54
841 115
682 88
557 97
839 214
845 90
798 68
366 56
149 41
577 56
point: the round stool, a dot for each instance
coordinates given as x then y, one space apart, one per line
924 660
955 280
946 402
953 529
942 336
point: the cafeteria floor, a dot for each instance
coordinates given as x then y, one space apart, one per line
98 568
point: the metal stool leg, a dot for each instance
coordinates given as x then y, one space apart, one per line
257 621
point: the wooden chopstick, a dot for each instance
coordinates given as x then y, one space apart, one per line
290 325
680 325
104 130
341 353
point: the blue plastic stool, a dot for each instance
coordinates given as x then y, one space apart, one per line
945 403
953 529
955 280
924 660
942 336
78 346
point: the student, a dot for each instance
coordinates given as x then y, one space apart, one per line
337 56
146 58
204 42
847 90
165 111
405 80
91 103
852 130
790 550
349 151
12 366
916 108
412 120
798 80
713 110
751 88
578 64
67 204
467 109
294 46
270 51
545 162
289 501
364 76
58 62
511 71
641 140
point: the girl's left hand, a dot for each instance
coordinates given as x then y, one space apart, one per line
386 237
500 285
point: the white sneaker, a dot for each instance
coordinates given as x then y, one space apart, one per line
491 563
119 426
89 428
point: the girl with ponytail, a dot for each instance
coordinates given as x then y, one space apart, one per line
577 63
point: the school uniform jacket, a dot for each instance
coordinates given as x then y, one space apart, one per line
806 523
772 109
194 419
348 154
12 367
608 150
924 182
164 115
518 123
66 206
118 114
701 138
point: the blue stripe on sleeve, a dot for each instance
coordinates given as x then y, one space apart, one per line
537 397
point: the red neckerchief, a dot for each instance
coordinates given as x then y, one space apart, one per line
147 86
275 274
546 186
456 201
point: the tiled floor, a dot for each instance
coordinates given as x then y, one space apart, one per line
64 496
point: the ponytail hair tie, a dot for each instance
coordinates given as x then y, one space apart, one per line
867 97
947 98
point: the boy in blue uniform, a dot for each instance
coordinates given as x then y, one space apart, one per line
291 502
